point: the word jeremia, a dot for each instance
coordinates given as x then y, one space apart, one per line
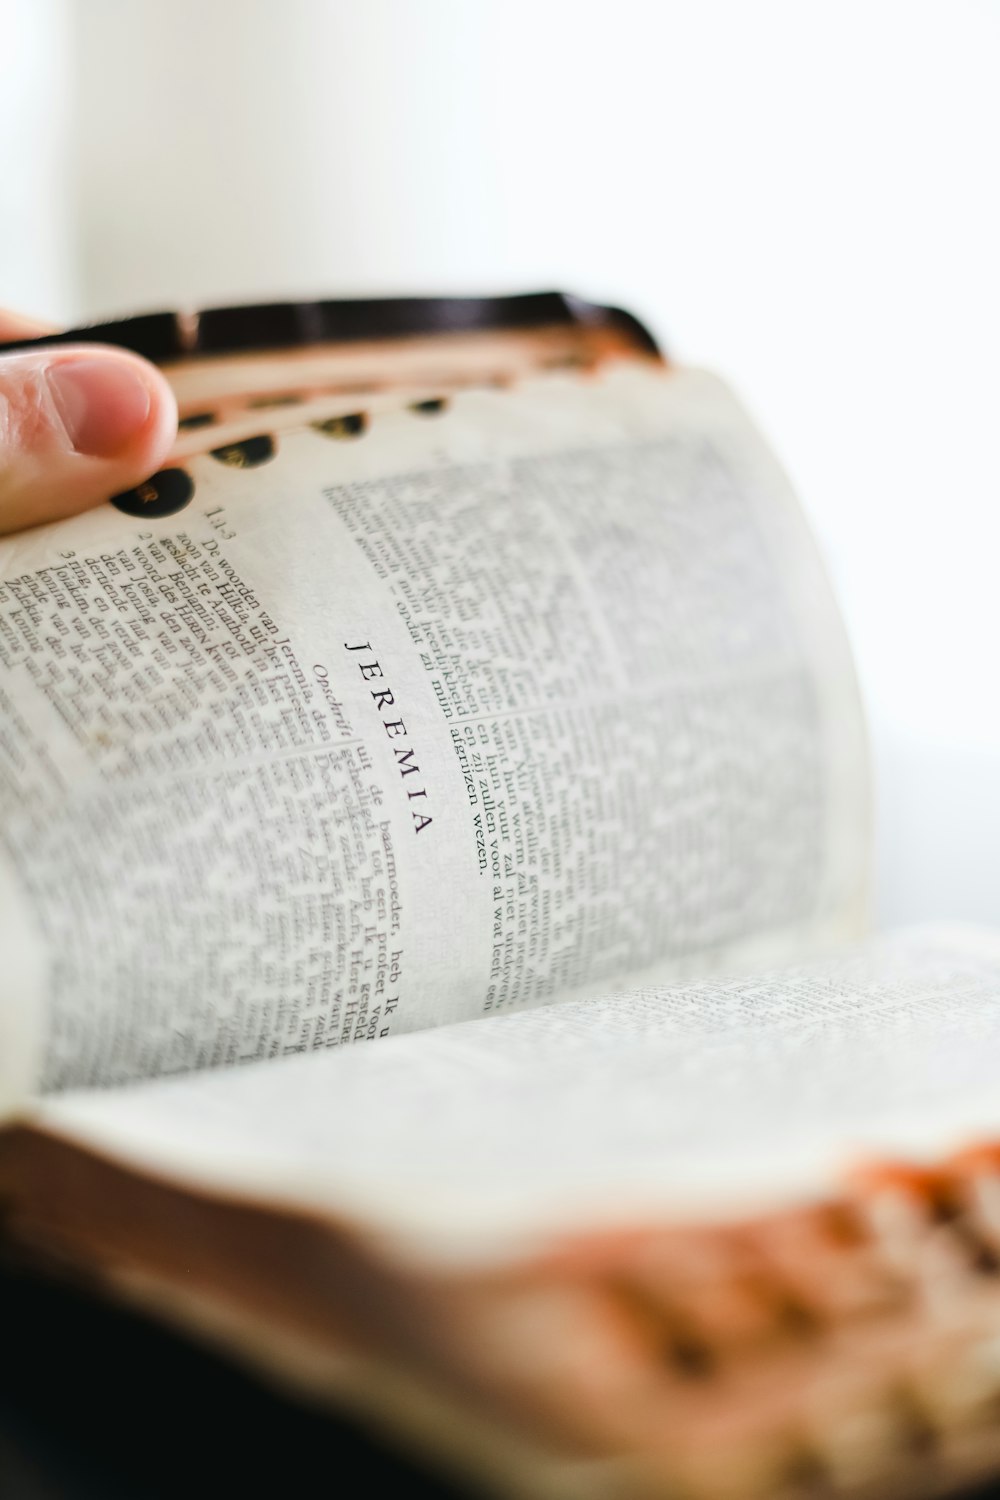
395 729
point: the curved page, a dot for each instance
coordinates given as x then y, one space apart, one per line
448 714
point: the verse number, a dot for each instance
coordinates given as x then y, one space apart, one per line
217 520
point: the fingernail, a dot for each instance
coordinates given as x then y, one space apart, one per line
102 403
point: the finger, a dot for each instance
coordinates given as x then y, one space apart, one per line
77 424
17 326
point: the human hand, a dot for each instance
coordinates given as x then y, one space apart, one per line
78 423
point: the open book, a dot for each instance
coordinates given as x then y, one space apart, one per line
434 850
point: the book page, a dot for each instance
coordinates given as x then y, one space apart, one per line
697 1101
431 718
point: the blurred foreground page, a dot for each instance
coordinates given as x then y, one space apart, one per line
707 1100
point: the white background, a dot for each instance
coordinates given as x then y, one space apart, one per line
800 194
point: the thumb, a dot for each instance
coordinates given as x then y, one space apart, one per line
77 425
